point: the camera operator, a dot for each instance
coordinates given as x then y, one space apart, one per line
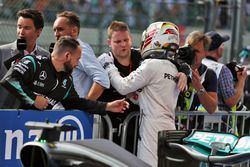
201 94
228 93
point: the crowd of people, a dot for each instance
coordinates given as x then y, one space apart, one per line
133 12
153 79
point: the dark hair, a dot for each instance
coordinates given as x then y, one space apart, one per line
66 43
73 18
33 14
116 26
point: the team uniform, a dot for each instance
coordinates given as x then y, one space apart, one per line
88 71
33 76
156 107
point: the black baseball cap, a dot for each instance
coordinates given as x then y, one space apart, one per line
217 39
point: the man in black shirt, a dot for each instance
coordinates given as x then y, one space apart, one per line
126 59
40 82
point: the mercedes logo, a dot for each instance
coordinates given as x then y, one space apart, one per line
43 75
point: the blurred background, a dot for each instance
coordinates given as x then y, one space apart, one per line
231 17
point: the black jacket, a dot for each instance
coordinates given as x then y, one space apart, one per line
34 76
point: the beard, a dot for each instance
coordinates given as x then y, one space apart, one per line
68 67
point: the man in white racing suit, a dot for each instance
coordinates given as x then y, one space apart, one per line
160 84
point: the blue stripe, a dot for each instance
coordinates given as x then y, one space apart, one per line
66 95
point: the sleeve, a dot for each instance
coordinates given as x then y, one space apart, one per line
226 83
90 65
210 82
73 101
134 81
17 79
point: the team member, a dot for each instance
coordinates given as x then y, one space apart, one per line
90 79
126 59
156 77
30 24
41 82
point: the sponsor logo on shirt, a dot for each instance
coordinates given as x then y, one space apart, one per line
169 76
37 83
64 83
43 75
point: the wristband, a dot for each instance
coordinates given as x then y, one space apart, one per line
201 91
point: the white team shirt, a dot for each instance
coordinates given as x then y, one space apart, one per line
157 100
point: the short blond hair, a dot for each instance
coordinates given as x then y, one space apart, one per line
196 36
117 26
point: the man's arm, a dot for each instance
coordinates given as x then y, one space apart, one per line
95 91
208 99
136 79
184 76
16 79
181 81
140 78
239 88
94 107
131 83
89 64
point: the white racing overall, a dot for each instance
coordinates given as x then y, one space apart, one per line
157 100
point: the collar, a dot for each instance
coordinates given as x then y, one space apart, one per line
202 69
59 74
211 58
34 52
